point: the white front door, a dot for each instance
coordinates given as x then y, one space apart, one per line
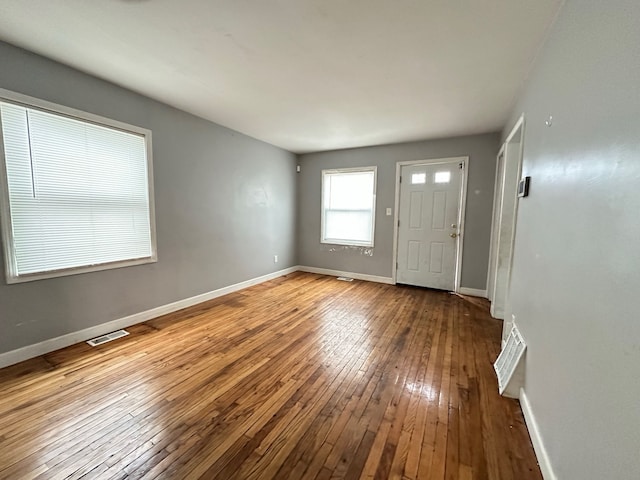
428 229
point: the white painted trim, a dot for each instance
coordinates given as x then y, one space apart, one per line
499 311
6 221
339 273
520 124
329 241
47 346
496 312
495 232
494 225
396 215
461 212
536 438
474 292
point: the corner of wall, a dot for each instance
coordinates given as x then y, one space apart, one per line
536 438
296 229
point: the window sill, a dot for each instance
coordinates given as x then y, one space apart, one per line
12 278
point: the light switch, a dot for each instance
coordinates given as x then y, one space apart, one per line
388 212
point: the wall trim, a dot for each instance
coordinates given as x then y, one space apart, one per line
339 273
536 438
474 292
494 225
496 312
31 351
503 218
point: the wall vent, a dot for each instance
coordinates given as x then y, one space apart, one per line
94 342
509 366
345 279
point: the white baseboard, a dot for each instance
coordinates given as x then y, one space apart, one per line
339 273
474 292
47 346
536 438
496 312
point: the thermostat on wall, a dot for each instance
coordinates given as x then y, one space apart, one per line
523 187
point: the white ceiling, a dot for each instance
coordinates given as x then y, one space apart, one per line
305 75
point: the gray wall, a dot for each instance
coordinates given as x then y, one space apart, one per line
225 204
482 151
576 274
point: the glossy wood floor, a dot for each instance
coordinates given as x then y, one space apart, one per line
301 377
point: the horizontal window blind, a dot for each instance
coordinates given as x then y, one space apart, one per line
348 207
78 191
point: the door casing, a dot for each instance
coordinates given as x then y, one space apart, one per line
503 243
461 211
497 191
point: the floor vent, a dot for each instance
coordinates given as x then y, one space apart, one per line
94 342
509 366
345 279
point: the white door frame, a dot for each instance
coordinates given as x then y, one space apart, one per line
494 223
461 211
498 311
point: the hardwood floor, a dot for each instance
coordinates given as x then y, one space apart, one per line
300 377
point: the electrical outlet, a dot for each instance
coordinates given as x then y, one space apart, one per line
275 259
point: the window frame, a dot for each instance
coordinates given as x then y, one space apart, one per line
326 241
6 221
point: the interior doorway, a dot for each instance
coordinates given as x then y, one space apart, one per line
495 223
505 210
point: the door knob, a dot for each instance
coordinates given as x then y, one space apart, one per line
453 235
453 225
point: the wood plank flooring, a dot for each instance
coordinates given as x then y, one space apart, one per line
300 377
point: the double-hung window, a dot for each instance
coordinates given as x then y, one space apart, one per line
76 191
348 206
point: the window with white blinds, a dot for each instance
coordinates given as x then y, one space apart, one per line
76 191
348 206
